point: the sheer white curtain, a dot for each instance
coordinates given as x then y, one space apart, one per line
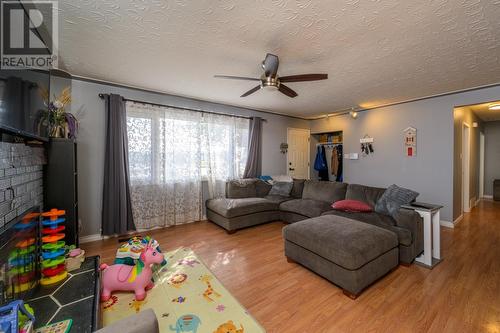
225 150
172 152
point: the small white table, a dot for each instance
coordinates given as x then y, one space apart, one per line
432 233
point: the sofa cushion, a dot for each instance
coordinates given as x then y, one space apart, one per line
352 206
367 194
238 207
379 220
305 207
281 188
348 243
392 199
324 191
241 188
298 187
278 199
262 188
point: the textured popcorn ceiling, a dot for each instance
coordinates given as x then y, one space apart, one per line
375 52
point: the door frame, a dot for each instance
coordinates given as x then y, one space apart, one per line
308 131
466 134
481 165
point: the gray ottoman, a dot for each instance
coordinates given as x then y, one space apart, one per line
349 253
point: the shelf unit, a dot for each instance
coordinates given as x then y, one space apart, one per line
61 184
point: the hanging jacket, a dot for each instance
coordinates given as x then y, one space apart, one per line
340 176
323 174
320 160
335 161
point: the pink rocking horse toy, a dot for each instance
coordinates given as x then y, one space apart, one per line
130 278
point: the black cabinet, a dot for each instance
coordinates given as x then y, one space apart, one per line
61 184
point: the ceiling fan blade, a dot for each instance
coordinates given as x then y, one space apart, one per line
251 91
271 64
236 77
287 91
303 77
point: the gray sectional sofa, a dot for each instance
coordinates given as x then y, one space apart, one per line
350 249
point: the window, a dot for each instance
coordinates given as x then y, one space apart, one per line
175 145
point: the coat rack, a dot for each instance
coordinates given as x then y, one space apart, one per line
367 145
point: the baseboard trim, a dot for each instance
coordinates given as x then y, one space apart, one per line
92 238
447 224
458 219
451 225
488 197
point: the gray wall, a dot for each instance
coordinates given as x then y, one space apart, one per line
431 171
491 155
90 110
463 115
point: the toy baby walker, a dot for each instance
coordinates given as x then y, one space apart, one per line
131 278
53 252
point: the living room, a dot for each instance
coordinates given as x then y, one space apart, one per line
335 170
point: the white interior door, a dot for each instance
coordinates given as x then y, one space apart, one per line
297 160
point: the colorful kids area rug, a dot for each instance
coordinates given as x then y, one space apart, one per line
186 298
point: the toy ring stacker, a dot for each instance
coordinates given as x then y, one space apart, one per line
55 230
52 262
53 238
47 280
51 271
53 246
53 252
25 243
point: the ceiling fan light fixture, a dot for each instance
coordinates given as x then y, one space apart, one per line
494 107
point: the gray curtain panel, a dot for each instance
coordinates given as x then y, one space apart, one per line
254 162
116 206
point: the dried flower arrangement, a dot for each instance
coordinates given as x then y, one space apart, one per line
60 124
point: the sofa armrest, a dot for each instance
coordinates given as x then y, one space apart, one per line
411 220
241 188
144 321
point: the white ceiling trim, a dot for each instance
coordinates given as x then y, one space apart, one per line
329 114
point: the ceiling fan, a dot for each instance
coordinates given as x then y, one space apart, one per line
271 79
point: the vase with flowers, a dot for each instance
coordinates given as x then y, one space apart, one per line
59 123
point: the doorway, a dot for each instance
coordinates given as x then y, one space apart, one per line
297 158
481 165
466 168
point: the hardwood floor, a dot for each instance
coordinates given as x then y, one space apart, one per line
461 294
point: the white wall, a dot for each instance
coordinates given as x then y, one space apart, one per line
431 171
491 155
90 109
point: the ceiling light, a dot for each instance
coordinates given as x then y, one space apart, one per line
353 114
494 107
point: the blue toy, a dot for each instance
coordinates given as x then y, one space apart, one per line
53 254
9 316
186 323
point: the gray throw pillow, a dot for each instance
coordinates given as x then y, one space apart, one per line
281 188
392 199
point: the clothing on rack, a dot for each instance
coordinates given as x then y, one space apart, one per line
335 161
319 163
323 174
340 170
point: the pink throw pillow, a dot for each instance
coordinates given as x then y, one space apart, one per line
352 206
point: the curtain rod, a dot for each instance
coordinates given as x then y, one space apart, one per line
182 108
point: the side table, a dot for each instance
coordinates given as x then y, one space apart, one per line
432 234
